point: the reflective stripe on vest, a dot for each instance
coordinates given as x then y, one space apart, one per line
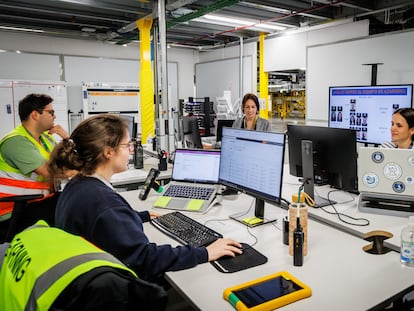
12 181
42 261
45 153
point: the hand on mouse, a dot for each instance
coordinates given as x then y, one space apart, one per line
223 247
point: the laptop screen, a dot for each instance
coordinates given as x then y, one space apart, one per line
196 165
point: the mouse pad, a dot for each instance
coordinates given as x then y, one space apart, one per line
250 258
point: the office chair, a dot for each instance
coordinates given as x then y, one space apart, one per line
27 210
101 288
107 288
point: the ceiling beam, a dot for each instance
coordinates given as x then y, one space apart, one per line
208 9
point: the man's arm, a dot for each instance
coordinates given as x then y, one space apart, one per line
42 170
21 154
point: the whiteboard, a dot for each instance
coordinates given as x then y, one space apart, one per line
78 69
55 89
114 97
6 107
12 91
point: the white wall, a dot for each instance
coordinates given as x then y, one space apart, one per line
18 67
288 51
341 64
230 54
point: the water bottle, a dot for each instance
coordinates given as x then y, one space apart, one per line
407 243
139 155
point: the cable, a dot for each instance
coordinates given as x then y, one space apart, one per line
308 199
341 216
286 201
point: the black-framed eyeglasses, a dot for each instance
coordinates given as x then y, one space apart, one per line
130 145
50 111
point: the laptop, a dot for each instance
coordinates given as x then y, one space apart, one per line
194 181
386 180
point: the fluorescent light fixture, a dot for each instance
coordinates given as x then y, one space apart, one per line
243 22
20 29
228 19
270 26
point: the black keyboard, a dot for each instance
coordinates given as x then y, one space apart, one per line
187 191
185 229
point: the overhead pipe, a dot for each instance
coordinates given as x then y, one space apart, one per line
208 9
315 8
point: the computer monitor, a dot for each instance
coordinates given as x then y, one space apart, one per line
132 126
220 124
332 158
252 162
192 138
368 109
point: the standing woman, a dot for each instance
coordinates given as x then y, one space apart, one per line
88 206
251 119
402 129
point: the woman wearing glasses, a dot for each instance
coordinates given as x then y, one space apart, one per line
88 206
25 150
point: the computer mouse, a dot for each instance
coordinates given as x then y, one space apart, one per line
243 248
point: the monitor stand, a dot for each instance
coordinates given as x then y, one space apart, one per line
307 168
256 219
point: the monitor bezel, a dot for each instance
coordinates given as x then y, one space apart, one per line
360 140
253 192
294 150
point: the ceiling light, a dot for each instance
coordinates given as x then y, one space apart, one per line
242 22
270 26
20 29
88 29
228 19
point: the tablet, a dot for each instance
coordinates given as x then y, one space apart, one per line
267 293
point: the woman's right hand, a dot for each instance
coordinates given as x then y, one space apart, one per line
223 247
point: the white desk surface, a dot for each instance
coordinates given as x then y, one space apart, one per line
347 204
132 175
341 275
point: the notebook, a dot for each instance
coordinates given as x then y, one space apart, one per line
197 168
386 181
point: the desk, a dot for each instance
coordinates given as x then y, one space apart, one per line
388 223
133 177
341 275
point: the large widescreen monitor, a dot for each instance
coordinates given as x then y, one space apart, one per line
368 109
252 162
334 155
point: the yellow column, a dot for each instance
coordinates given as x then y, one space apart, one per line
146 81
263 79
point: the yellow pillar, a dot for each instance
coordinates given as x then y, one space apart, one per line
263 79
146 80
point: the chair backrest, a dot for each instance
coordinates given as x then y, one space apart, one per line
107 288
27 210
103 286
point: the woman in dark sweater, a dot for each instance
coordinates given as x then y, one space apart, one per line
88 206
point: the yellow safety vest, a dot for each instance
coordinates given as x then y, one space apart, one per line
41 262
17 183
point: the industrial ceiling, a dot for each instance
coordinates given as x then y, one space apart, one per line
194 24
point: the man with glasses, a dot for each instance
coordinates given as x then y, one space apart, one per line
25 150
